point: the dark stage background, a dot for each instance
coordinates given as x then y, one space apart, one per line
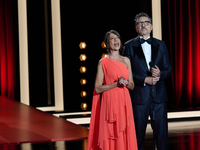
83 21
89 21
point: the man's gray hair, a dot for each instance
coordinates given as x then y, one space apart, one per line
142 15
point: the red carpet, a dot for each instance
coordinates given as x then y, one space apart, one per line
20 123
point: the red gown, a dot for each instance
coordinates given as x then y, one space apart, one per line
112 125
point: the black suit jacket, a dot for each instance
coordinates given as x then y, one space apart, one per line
133 50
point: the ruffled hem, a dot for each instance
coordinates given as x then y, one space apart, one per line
125 141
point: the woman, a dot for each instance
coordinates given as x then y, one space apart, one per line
112 125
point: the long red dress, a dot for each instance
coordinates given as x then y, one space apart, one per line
112 125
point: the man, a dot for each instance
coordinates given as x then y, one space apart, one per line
150 66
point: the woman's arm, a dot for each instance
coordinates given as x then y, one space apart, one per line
99 87
131 84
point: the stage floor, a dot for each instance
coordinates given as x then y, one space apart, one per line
20 123
182 136
26 128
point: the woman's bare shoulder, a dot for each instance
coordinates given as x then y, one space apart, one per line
126 59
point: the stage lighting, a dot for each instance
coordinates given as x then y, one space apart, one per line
82 45
104 55
83 81
83 69
83 93
82 57
84 106
103 45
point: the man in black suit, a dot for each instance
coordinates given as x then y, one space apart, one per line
150 66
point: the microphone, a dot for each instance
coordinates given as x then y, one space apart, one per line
152 93
149 72
151 64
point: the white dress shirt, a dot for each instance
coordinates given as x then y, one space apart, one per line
146 47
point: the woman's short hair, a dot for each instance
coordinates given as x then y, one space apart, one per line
107 37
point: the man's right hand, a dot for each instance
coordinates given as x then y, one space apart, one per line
151 80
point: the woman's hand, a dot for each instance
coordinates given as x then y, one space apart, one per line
121 82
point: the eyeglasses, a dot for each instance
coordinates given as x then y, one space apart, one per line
145 23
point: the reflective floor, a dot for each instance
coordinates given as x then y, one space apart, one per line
184 135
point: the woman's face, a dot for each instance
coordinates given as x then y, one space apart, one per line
114 42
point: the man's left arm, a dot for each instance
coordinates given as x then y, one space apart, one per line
165 70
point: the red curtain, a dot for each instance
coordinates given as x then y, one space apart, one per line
184 33
187 141
7 59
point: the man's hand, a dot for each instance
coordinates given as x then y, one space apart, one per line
155 71
151 80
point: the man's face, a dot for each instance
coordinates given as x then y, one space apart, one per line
143 26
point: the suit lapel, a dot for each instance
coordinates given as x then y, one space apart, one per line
139 52
154 51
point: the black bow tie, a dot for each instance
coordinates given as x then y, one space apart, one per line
143 40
